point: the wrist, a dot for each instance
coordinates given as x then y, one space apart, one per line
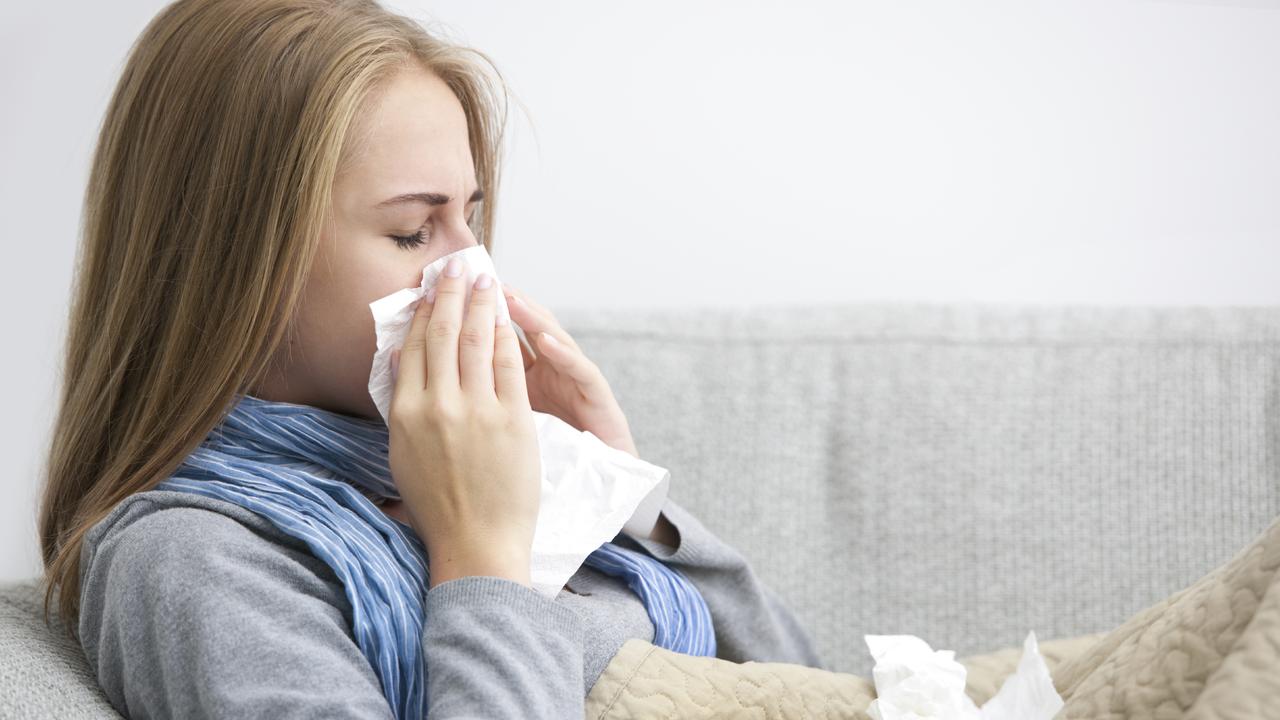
445 564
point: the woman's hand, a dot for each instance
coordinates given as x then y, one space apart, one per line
463 444
562 381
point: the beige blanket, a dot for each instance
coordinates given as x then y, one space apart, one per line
1208 652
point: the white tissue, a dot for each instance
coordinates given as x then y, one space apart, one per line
590 491
914 682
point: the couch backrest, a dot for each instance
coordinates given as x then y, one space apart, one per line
960 473
964 473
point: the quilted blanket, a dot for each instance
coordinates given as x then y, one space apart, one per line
1208 652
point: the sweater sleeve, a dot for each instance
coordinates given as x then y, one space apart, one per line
497 648
190 613
752 623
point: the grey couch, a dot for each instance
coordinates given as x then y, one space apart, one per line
964 473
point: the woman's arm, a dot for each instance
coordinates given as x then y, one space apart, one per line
496 648
192 613
751 621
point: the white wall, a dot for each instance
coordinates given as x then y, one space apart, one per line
1096 151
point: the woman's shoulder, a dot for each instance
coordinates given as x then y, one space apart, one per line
246 613
168 552
184 534
170 519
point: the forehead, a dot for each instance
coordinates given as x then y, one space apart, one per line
412 132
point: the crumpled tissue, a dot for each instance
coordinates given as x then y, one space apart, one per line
914 682
590 490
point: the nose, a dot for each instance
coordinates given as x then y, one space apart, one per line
458 237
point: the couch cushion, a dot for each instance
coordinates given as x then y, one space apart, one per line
43 673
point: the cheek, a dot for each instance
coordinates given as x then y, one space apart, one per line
390 269
334 330
338 330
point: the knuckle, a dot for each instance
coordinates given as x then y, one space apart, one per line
445 288
441 328
505 334
507 361
472 336
403 414
441 410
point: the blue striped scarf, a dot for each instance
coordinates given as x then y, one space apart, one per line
308 470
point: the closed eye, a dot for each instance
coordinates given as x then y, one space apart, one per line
409 242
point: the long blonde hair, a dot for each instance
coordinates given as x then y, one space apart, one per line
209 189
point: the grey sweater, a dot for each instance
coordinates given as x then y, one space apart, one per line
197 608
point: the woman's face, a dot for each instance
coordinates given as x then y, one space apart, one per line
413 180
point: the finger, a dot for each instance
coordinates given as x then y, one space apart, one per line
570 362
524 306
536 306
443 329
412 355
475 344
533 320
508 368
527 353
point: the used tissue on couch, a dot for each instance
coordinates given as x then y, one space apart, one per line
590 491
915 682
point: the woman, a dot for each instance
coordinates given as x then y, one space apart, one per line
227 524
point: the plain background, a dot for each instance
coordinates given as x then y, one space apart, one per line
699 154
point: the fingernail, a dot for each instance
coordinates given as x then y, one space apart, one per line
484 281
551 338
500 320
431 295
453 268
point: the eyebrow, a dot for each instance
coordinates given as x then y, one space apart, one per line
429 198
